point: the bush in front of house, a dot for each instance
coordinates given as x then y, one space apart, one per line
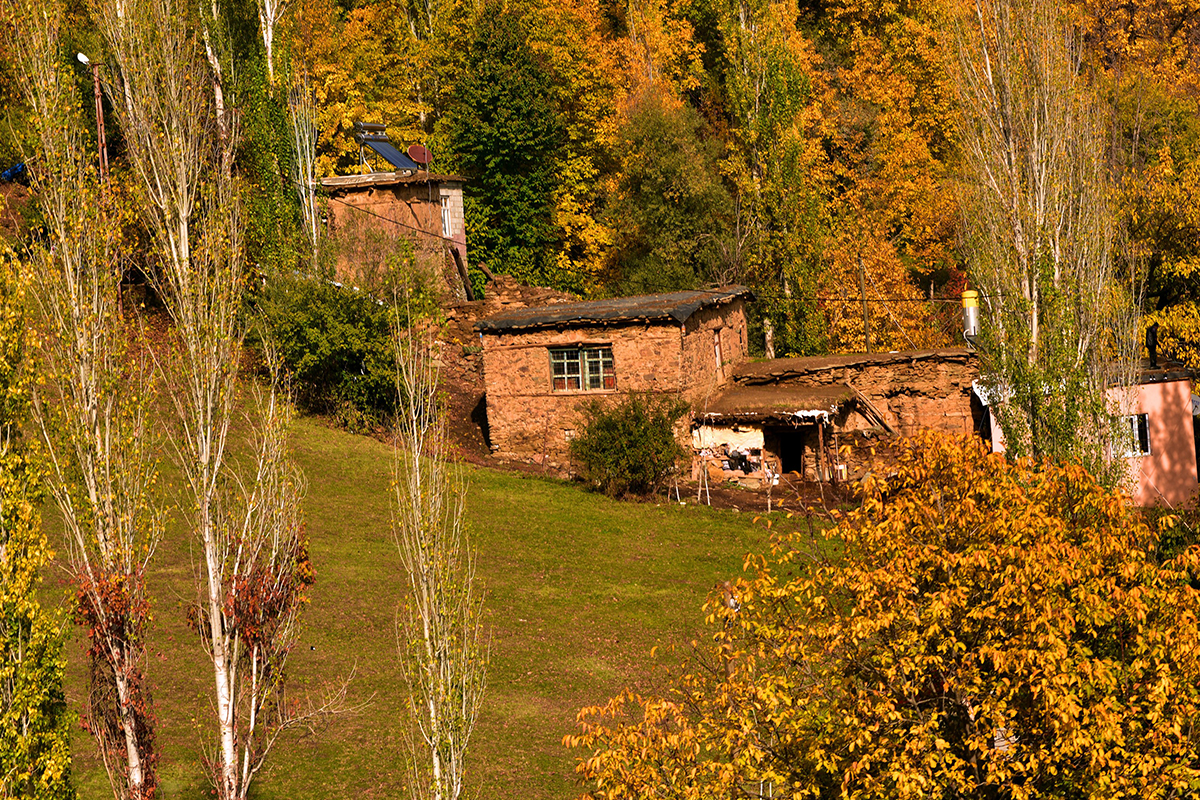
629 447
335 344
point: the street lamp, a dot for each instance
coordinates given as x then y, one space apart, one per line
100 143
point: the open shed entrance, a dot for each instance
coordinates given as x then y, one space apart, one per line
790 445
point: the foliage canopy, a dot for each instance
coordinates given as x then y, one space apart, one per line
629 447
975 628
35 725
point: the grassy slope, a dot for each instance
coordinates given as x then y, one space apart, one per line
579 588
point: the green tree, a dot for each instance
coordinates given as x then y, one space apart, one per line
503 131
670 212
629 447
1057 323
976 628
778 167
35 725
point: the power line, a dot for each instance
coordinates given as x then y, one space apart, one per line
859 299
781 298
421 231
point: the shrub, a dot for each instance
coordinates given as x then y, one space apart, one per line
335 343
629 447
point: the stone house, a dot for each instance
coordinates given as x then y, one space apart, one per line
368 213
821 417
541 364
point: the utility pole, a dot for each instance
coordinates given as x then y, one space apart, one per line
102 147
862 288
100 143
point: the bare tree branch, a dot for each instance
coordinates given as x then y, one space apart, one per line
440 638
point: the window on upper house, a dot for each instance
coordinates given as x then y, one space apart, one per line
1135 433
582 369
717 355
447 226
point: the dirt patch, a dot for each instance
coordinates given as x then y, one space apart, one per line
462 360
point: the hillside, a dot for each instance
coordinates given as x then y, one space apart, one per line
579 588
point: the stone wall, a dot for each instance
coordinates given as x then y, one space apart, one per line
367 223
527 420
699 366
462 354
919 395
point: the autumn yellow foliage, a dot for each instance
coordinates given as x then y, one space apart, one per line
974 628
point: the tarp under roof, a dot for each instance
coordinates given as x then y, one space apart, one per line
677 306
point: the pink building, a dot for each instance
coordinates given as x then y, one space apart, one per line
1160 452
1162 445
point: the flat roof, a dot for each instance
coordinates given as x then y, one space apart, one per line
1165 372
775 403
776 369
676 306
372 179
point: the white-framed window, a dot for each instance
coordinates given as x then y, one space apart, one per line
582 368
447 220
1135 436
717 354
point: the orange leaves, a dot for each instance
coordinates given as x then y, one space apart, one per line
990 626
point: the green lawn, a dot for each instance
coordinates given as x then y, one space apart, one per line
579 588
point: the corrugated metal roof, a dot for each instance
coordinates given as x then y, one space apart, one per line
677 306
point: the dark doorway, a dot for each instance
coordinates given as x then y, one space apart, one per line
790 443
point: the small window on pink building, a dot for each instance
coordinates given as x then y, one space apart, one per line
1135 432
575 369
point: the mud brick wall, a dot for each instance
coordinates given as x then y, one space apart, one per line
366 223
702 374
526 419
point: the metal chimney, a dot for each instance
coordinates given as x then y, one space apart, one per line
970 307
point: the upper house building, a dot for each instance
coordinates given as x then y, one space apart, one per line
541 364
1160 454
369 211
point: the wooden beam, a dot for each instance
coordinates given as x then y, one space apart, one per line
875 412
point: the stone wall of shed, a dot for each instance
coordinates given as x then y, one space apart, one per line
911 395
926 394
